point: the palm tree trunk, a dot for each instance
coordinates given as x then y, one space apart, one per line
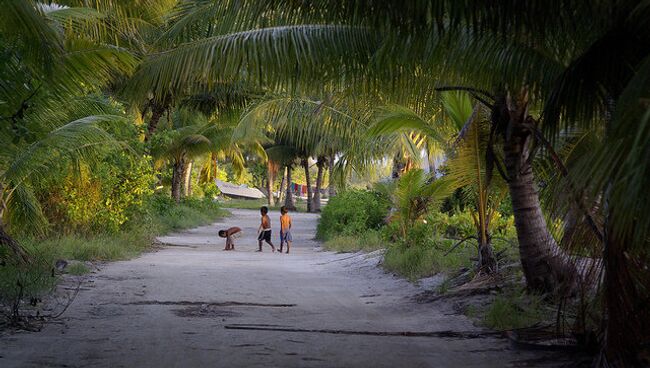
320 164
282 183
177 179
305 165
187 178
269 183
546 267
157 111
487 262
431 163
288 202
330 187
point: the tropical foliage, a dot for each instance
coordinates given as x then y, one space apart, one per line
103 103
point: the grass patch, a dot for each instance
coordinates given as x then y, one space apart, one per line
423 260
513 310
368 241
77 269
255 204
158 217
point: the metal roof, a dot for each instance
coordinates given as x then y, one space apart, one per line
242 190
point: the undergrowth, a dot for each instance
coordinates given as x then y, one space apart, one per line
368 241
514 309
27 283
427 259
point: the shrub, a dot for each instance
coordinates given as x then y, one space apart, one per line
98 199
21 284
460 225
352 212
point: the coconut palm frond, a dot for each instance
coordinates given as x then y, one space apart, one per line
395 118
24 212
85 62
39 43
619 166
413 194
263 56
82 139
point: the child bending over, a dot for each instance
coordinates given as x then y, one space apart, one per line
230 234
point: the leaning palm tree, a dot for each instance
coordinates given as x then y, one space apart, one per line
582 71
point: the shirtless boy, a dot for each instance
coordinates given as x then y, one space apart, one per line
230 234
285 229
265 229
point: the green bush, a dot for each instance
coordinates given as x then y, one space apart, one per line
461 225
99 198
352 212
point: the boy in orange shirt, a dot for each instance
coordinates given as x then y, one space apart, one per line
285 229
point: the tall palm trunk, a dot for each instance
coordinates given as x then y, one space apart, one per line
269 183
320 164
288 202
187 178
305 165
398 166
157 111
330 187
487 262
282 183
431 162
177 179
546 267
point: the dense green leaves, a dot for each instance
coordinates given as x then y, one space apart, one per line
352 212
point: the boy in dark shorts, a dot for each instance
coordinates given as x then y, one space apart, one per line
265 229
230 234
285 228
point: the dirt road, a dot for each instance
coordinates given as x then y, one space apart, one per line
193 305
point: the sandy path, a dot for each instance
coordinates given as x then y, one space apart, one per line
177 307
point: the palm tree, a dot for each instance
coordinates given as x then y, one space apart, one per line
321 161
284 156
46 75
465 134
585 72
412 195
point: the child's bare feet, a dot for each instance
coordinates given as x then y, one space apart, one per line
287 252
